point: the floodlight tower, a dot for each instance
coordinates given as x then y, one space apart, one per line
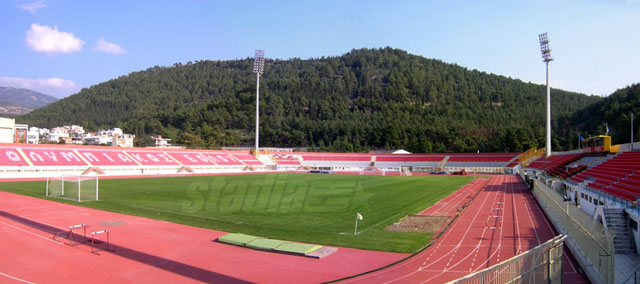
546 58
258 68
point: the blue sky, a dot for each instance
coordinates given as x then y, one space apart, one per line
60 46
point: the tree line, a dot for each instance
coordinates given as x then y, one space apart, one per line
367 99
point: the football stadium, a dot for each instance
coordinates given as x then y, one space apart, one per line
378 165
201 215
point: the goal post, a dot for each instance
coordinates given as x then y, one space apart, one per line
76 188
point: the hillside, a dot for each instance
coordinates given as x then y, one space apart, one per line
366 99
615 110
20 101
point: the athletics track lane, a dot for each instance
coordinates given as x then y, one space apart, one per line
502 221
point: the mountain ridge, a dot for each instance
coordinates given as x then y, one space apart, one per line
21 101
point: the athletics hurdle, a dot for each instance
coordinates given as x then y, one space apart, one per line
70 237
94 242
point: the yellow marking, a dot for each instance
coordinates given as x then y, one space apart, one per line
132 158
172 158
24 156
208 159
82 158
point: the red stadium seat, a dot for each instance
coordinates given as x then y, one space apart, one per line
10 156
152 158
41 156
107 157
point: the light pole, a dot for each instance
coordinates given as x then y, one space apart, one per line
258 68
546 58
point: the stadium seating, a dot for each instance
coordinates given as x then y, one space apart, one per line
28 160
53 156
99 157
152 158
284 159
555 165
190 158
617 176
11 157
485 157
410 158
222 158
335 157
247 159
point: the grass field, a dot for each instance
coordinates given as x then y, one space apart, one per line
319 209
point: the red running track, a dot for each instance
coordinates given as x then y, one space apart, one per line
451 205
503 220
149 251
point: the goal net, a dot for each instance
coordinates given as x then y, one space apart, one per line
372 171
76 188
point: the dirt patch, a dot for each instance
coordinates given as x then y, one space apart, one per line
418 224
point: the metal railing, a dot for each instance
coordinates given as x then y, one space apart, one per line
542 264
592 239
634 277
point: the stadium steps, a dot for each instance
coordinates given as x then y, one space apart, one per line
617 222
444 161
266 160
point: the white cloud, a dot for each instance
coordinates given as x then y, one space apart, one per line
48 40
33 6
51 86
108 47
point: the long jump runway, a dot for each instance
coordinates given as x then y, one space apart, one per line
502 221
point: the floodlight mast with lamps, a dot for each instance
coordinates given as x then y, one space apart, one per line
258 68
546 58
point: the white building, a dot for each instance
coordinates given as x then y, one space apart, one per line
75 130
10 132
7 131
161 142
123 140
97 138
33 135
114 137
58 133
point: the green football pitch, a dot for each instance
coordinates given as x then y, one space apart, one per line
311 208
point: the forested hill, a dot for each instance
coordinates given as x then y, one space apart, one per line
364 100
615 110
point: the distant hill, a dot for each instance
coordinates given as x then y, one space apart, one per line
614 110
364 100
20 101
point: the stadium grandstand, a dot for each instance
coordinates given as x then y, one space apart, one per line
32 160
601 183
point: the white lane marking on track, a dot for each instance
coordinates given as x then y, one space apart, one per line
476 248
480 187
433 251
499 245
16 278
32 233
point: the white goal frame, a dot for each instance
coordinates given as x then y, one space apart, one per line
78 180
